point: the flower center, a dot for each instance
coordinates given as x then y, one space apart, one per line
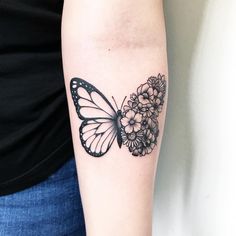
132 122
155 106
144 123
145 95
131 136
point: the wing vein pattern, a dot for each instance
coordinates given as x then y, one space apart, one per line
98 130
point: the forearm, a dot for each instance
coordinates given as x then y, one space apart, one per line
116 46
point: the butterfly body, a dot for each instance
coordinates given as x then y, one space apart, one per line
119 116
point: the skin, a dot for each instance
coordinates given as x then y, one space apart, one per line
115 45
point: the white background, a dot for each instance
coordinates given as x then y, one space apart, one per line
196 178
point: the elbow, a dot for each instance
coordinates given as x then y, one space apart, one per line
128 25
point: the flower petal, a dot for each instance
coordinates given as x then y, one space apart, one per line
126 108
139 89
145 87
129 129
124 121
143 100
137 127
130 114
138 117
150 91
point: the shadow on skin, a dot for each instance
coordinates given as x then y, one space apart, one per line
175 167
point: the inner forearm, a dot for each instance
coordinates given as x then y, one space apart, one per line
116 46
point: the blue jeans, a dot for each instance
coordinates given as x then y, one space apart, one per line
50 208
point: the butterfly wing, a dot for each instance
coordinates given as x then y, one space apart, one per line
90 103
97 136
98 129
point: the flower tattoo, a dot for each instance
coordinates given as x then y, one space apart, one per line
142 112
131 121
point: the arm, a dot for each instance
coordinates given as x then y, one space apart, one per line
116 46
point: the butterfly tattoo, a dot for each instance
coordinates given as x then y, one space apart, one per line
134 125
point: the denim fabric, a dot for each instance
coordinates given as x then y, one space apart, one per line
50 208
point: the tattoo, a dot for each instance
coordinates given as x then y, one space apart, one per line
135 125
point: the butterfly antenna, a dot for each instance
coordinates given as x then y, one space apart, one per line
123 102
115 102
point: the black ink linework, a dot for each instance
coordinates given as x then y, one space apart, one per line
134 125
